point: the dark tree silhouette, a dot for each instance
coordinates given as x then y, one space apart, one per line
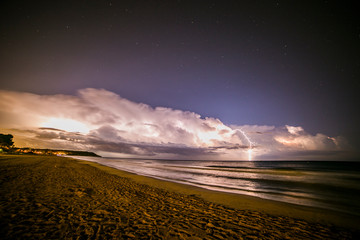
6 140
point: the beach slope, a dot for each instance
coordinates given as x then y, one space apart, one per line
56 198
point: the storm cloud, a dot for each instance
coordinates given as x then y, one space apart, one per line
101 121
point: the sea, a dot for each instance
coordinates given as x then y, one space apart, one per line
331 185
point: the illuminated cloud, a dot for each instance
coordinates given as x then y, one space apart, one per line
102 121
293 142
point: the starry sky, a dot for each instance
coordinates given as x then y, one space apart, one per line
285 67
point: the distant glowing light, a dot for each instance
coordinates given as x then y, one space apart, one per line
65 124
207 137
250 152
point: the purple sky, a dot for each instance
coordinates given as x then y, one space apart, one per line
271 63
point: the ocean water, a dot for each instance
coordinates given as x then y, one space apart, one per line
324 184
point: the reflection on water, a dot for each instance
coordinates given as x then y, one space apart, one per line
330 185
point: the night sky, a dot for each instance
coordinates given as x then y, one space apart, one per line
272 63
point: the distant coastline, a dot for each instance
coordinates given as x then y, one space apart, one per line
49 152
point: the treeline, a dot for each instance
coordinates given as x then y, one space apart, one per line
6 141
7 146
51 152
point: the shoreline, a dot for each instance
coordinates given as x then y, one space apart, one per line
240 201
46 197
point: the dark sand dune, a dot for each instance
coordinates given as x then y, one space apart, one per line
61 198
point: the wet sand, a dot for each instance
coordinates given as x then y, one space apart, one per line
61 198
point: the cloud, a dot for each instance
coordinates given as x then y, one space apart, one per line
293 142
102 121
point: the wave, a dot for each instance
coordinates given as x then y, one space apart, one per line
330 185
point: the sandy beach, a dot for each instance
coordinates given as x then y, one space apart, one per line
61 198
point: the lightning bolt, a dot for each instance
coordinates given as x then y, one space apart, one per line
250 144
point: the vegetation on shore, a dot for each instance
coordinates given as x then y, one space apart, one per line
37 151
7 146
